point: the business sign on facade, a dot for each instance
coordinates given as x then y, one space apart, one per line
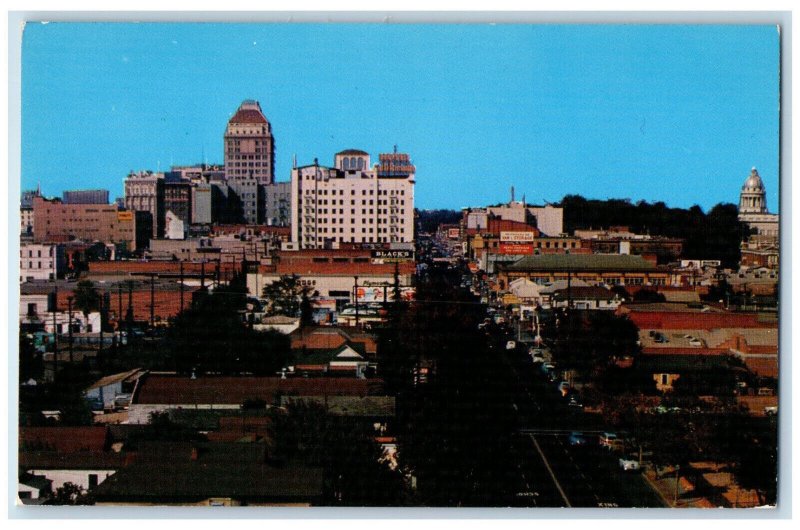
453 233
375 294
515 248
516 237
393 255
125 216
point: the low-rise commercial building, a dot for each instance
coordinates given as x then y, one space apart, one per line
342 275
607 269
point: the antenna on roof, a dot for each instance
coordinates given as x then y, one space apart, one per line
395 148
294 161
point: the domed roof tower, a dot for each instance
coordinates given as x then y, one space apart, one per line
753 198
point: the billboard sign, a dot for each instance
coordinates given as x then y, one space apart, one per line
515 248
453 233
517 237
376 294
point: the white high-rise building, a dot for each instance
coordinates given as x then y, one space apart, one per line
352 202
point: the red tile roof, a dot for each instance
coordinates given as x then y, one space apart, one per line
685 351
171 268
342 269
762 366
696 320
63 439
223 390
248 116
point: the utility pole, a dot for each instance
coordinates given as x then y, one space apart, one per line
119 314
54 308
355 295
181 286
152 300
129 316
104 301
69 309
677 481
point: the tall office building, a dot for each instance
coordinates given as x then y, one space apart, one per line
144 192
249 159
353 203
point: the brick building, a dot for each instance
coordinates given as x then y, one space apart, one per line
58 222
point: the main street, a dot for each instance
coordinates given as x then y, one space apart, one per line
563 475
550 472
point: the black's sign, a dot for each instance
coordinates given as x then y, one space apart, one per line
393 254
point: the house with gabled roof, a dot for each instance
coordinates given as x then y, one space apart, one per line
348 359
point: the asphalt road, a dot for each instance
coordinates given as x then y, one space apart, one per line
589 476
554 473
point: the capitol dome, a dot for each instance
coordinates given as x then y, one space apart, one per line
753 199
753 182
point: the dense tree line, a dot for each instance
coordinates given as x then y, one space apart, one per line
713 235
214 336
429 220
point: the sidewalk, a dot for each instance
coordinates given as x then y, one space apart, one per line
665 487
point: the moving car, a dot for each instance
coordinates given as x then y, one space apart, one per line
577 439
628 464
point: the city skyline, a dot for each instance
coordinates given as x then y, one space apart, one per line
672 113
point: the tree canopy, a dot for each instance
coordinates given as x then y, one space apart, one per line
286 295
86 297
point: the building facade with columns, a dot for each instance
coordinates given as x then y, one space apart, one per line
753 207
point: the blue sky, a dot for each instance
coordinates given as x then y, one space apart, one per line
672 113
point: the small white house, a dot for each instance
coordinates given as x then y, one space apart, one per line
113 390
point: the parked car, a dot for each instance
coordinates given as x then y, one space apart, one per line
628 464
548 367
577 439
771 411
538 357
564 387
510 345
574 402
610 441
